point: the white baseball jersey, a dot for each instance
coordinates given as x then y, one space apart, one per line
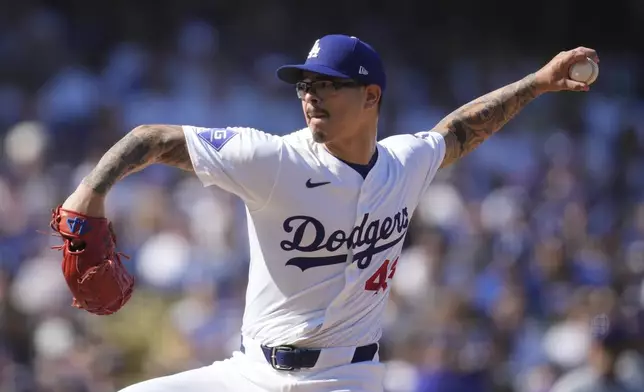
324 241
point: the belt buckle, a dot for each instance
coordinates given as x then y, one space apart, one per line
274 351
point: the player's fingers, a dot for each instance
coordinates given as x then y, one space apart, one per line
573 85
590 53
582 52
575 55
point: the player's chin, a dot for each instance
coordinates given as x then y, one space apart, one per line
318 135
318 128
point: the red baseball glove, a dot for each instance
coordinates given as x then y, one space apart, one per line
93 270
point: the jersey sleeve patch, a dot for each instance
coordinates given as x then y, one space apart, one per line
217 137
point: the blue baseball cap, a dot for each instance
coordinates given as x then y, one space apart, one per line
339 56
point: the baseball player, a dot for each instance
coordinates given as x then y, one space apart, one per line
328 208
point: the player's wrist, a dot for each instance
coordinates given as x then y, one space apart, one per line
86 201
537 83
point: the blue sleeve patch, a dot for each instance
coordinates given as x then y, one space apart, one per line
217 137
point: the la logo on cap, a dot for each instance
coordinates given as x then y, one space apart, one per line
315 49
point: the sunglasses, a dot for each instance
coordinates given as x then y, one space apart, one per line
323 88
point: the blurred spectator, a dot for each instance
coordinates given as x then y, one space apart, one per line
608 366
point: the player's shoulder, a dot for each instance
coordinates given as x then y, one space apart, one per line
398 142
220 136
300 137
229 128
409 143
301 142
250 132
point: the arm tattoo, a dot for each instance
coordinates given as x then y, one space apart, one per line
467 127
140 148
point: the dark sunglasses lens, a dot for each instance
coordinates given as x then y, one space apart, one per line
301 89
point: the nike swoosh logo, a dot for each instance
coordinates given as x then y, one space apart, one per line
310 184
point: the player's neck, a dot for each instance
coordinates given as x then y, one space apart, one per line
357 149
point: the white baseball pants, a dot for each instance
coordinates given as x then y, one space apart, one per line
250 372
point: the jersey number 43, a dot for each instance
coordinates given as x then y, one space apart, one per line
378 280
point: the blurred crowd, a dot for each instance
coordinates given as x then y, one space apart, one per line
524 267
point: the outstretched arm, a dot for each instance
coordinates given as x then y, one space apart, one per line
467 127
143 146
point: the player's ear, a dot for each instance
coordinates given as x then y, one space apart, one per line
372 94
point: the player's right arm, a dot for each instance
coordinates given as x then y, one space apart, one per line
242 161
470 125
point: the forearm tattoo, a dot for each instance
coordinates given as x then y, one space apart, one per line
140 148
467 127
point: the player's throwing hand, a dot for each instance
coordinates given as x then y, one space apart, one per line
554 76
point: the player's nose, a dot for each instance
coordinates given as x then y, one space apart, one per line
311 98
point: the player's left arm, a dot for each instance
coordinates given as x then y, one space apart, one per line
468 126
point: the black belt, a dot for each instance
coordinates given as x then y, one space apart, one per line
292 358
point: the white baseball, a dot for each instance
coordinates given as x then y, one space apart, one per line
584 71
